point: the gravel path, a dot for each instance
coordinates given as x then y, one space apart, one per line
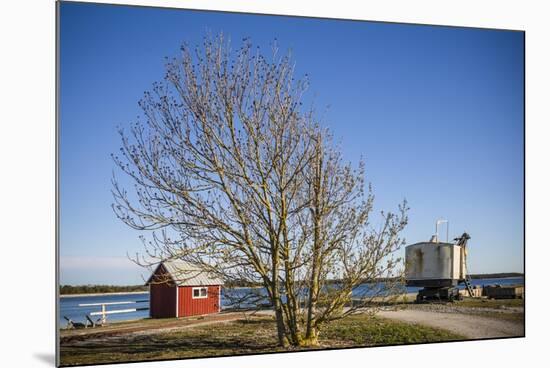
468 325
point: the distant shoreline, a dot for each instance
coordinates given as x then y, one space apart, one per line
474 277
103 294
499 275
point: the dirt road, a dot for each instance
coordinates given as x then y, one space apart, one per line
469 325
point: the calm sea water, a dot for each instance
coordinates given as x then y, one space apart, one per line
69 306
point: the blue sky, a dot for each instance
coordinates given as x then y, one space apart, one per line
436 112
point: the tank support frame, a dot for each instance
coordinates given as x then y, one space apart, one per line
438 294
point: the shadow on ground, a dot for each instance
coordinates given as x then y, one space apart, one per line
46 358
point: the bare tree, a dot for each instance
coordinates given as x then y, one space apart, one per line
344 246
231 174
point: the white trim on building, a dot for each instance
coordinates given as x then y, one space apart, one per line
177 301
202 292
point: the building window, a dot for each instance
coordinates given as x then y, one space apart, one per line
200 292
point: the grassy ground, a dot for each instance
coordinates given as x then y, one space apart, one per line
511 310
490 303
242 337
513 307
363 331
146 324
511 317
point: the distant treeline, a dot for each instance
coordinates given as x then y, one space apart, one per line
97 289
241 283
496 275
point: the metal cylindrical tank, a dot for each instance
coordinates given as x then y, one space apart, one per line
434 264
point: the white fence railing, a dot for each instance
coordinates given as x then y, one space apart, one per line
104 312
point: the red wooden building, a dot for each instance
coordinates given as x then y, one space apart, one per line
180 289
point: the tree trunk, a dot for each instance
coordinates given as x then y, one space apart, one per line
312 337
311 332
281 331
313 291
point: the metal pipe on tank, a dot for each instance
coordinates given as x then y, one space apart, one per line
441 221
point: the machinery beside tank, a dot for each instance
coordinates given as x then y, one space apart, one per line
438 267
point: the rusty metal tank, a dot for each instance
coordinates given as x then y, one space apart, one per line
434 264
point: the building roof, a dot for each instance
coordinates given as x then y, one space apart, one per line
186 274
